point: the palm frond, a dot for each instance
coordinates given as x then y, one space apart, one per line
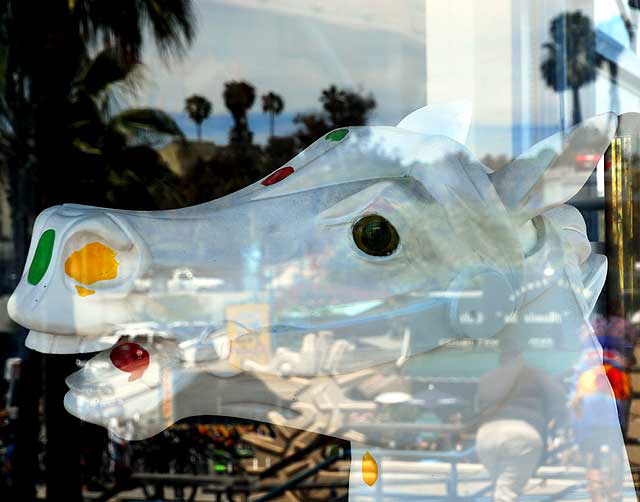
107 69
144 125
171 22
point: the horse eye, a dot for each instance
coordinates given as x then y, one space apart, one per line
375 235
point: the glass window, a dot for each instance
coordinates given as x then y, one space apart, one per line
319 250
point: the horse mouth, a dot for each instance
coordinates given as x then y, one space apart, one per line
68 344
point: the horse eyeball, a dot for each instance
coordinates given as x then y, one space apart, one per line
374 235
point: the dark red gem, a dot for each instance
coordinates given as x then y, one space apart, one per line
278 175
130 358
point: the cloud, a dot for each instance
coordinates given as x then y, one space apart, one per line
406 20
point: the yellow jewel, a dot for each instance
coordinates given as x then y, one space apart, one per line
91 263
84 291
369 469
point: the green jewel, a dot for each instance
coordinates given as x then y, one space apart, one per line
337 135
42 257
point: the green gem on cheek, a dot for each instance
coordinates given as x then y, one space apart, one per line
42 257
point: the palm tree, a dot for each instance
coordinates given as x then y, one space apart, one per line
171 23
92 125
238 98
340 108
44 46
199 108
43 64
346 107
630 20
38 69
571 57
118 143
273 105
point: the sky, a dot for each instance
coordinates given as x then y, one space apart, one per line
366 45
296 48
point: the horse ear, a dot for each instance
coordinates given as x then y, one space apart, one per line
446 119
546 175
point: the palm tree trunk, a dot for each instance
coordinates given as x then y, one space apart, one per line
199 128
613 88
55 63
272 118
27 442
21 220
577 113
62 452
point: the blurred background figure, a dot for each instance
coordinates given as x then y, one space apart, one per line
515 403
601 387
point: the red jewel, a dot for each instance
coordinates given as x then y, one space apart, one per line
130 358
278 175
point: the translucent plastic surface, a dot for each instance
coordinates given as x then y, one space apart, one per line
301 299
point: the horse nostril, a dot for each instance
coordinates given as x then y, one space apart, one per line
130 358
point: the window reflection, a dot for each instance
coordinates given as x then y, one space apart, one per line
231 351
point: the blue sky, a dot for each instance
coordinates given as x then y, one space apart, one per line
280 48
296 53
216 127
297 48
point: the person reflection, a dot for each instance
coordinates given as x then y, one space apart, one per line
515 403
597 427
